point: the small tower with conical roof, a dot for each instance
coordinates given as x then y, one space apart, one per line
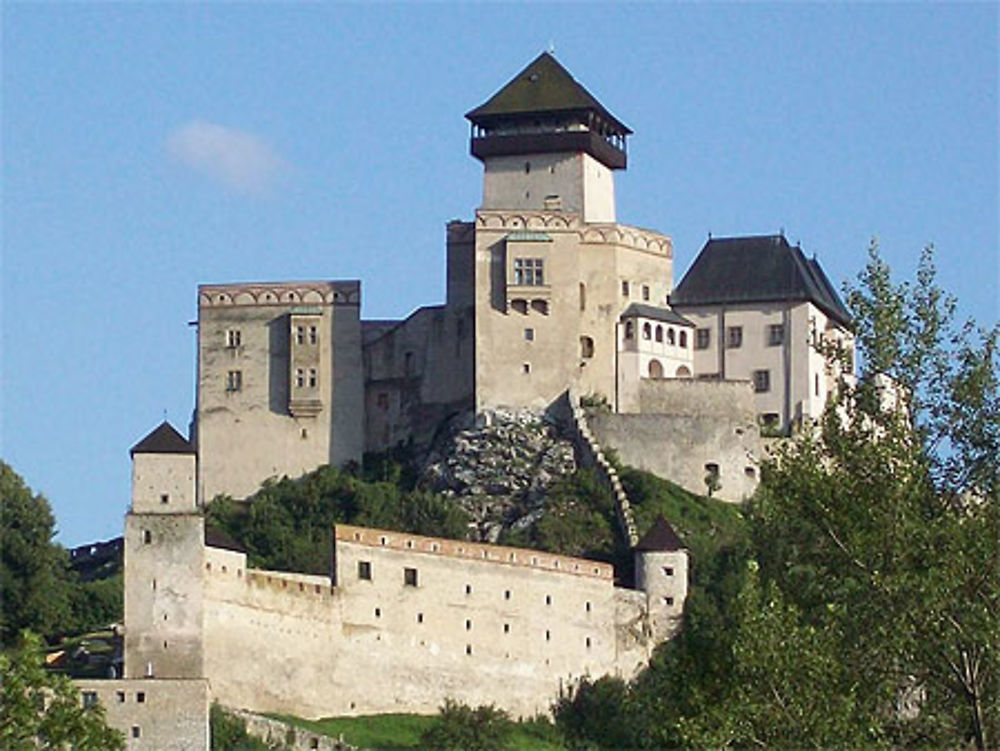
547 144
661 571
164 558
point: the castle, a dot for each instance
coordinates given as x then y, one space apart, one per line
547 295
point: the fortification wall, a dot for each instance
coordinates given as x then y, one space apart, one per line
154 715
684 449
410 622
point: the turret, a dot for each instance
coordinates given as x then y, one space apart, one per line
164 554
661 571
547 144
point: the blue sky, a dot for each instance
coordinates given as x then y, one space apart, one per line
148 148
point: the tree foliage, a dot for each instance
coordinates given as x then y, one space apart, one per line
43 710
459 727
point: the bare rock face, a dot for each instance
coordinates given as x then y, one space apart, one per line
497 465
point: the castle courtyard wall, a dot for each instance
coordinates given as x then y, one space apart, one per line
434 619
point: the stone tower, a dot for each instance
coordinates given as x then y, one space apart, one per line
164 560
547 143
661 571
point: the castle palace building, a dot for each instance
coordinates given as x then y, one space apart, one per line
546 293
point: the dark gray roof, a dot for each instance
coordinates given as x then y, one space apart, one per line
544 86
216 538
163 440
660 537
657 314
756 269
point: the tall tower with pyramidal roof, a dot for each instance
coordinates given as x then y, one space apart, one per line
546 142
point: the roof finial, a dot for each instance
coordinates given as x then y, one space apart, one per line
710 234
552 47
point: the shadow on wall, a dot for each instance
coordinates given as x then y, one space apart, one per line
277 366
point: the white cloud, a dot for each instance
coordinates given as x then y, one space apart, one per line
240 161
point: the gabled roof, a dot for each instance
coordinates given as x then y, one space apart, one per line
544 86
763 268
163 440
666 315
661 538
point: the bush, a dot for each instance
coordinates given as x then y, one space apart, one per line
459 727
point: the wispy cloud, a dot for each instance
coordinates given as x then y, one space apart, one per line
239 160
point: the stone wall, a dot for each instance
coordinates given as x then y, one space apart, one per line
154 715
424 619
686 429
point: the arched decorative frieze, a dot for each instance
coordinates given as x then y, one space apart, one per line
312 296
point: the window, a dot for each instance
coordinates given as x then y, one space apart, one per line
234 338
365 570
140 697
658 334
548 599
313 378
586 347
734 337
313 335
89 698
506 628
762 380
506 594
583 296
529 272
548 635
625 289
468 649
647 331
135 731
684 340
645 292
147 537
668 570
378 612
420 617
300 377
121 697
410 577
526 368
702 338
629 330
234 380
588 606
775 334
529 335
468 589
164 498
468 625
300 334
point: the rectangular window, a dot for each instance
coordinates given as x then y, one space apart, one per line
775 334
89 698
234 380
365 570
234 338
762 380
625 289
645 292
529 335
140 697
300 377
410 577
313 335
135 731
164 498
529 272
313 378
300 334
121 697
734 337
702 338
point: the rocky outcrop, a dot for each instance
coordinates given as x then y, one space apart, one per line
498 465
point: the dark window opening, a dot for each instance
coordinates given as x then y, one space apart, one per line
365 570
410 577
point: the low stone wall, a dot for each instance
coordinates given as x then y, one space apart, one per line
287 736
591 455
685 396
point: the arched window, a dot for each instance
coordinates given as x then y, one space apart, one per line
655 369
659 334
671 338
586 347
629 330
684 339
683 372
647 331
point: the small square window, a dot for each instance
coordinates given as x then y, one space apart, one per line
668 570
120 695
365 570
702 338
164 498
761 380
734 337
135 731
140 697
234 380
89 698
410 577
526 368
775 334
529 335
234 338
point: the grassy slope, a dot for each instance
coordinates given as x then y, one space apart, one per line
403 731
